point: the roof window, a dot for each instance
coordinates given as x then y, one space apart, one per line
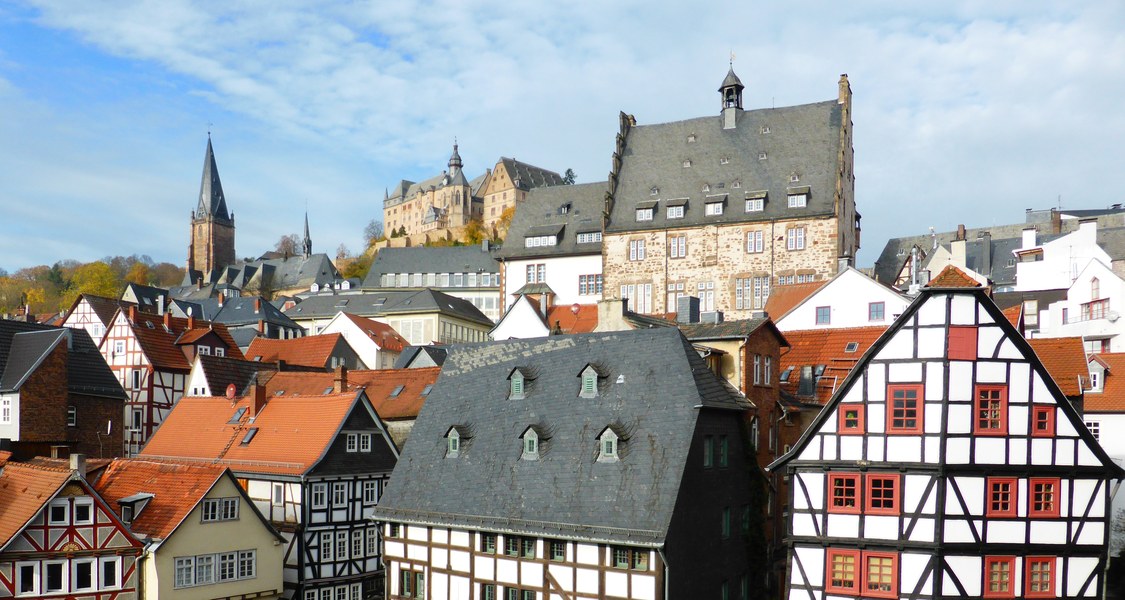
250 433
785 374
398 390
237 415
764 129
687 164
455 439
724 160
426 390
531 443
654 191
518 380
851 347
762 155
691 138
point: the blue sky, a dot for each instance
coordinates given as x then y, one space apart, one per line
965 112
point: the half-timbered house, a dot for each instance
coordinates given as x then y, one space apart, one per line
572 467
58 537
151 355
314 465
92 313
948 464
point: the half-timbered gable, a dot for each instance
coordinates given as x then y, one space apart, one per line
315 465
948 464
92 313
58 537
570 467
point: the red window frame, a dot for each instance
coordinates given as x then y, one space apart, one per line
962 343
857 421
882 494
865 589
990 410
856 572
1001 496
1047 566
838 486
1043 421
991 562
903 413
1044 501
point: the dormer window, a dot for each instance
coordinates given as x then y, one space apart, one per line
589 377
691 138
687 164
530 444
518 380
724 160
706 188
517 386
644 214
798 200
654 191
453 443
608 442
713 207
762 155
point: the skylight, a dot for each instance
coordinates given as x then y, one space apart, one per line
398 390
426 390
250 433
237 415
851 347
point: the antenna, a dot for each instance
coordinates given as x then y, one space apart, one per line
108 427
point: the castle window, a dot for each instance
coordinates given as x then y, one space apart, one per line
998 577
851 419
904 413
991 410
1001 501
1040 577
843 490
1043 497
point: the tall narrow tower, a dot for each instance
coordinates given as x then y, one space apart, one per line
212 226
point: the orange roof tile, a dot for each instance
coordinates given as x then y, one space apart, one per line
584 320
828 347
1065 360
1014 314
379 384
382 334
308 351
160 344
1112 396
952 277
293 432
176 487
784 298
24 489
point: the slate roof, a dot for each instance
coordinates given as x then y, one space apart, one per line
429 259
293 432
382 334
148 297
1065 360
24 490
541 213
162 346
211 199
410 355
379 384
784 298
176 487
86 371
1003 240
240 311
528 176
222 371
274 274
802 140
326 306
1112 397
654 383
430 300
309 351
729 330
827 347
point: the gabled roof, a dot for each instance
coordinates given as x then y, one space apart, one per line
952 277
148 297
222 371
528 176
326 306
1065 360
379 385
24 490
657 386
160 345
104 308
245 310
177 488
421 355
784 298
309 351
429 259
730 330
294 432
573 208
26 352
430 300
212 202
382 334
1112 397
827 347
86 371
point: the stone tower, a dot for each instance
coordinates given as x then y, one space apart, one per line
212 226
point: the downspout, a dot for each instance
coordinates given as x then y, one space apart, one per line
138 572
664 559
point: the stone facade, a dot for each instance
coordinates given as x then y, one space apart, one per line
508 185
434 205
212 225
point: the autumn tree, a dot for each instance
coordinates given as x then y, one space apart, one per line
373 232
96 278
139 274
288 245
474 232
166 275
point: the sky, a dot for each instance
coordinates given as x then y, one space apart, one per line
964 111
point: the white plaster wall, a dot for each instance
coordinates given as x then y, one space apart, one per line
1063 258
11 430
848 296
562 277
1111 287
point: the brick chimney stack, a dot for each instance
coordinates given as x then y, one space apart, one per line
78 463
168 319
340 380
132 313
258 401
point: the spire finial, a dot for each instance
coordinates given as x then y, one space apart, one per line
732 59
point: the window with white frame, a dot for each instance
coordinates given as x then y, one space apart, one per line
589 285
352 442
341 545
713 208
639 296
319 495
676 212
71 416
83 574
339 493
365 442
357 543
677 246
798 200
644 214
1095 428
83 510
675 292
537 273
755 241
795 238
58 512
110 572
755 204
370 492
592 237
326 546
540 240
5 411
636 249
705 290
751 292
607 446
27 578
372 541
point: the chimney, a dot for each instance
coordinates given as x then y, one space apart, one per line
845 89
261 326
258 401
961 231
1028 238
687 310
222 296
957 249
132 313
168 319
257 305
611 315
78 464
484 246
340 380
986 253
191 322
160 304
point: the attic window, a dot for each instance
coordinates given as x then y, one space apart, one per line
736 184
250 433
426 390
691 138
589 376
530 444
607 446
398 390
654 191
687 164
762 155
798 200
794 178
764 129
706 188
453 443
785 374
518 381
851 347
150 325
564 209
237 415
724 160
902 252
327 390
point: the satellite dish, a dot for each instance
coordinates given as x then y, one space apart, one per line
574 308
231 391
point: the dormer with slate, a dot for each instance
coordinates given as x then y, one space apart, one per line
532 440
609 443
456 439
518 379
590 376
948 464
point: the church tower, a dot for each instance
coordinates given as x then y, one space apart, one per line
212 226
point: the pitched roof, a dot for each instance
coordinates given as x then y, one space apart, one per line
566 320
1014 314
326 306
430 300
104 308
293 432
827 347
784 298
309 351
729 330
382 334
1112 397
544 207
211 199
654 385
86 371
26 351
528 176
1065 360
148 297
24 489
952 277
222 371
421 354
161 345
380 386
176 487
429 259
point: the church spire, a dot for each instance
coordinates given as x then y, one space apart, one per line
212 202
454 160
308 240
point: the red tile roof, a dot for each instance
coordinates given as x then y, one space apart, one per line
569 321
784 298
952 277
176 487
828 347
379 385
293 432
1065 360
308 351
1112 396
24 489
382 334
1014 314
160 344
